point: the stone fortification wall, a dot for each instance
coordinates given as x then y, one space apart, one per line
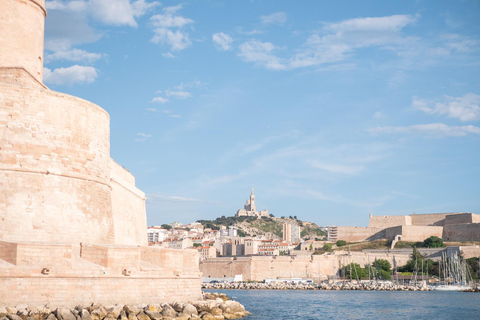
462 218
259 268
105 274
21 35
432 219
414 233
353 234
462 232
368 258
108 290
54 168
127 202
388 221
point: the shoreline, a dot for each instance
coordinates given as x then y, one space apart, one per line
321 286
214 307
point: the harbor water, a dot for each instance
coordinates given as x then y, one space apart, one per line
306 304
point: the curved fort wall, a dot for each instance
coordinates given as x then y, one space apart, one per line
54 168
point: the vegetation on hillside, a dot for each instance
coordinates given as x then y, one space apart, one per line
259 226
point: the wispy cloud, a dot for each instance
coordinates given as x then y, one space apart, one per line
163 198
143 137
76 55
334 43
178 94
222 41
160 100
70 75
168 29
261 53
110 12
274 18
434 130
466 108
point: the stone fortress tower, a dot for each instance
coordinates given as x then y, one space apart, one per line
72 223
249 209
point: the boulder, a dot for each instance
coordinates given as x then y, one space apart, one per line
168 311
11 310
153 315
84 314
123 315
64 314
51 316
3 312
13 317
189 309
142 316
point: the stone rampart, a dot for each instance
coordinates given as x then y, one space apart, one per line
127 202
462 232
354 234
414 233
461 218
54 167
383 222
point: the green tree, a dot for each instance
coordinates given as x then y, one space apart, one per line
341 243
384 265
327 247
166 226
433 242
357 271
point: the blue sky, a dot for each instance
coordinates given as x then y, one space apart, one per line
331 109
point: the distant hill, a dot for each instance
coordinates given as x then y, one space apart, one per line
270 227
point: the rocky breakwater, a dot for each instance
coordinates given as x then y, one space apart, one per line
211 309
314 286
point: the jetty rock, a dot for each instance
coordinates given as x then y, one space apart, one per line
214 308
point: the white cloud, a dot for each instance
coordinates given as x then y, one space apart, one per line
379 115
168 55
178 94
110 12
261 53
159 100
167 28
70 75
73 55
193 84
274 18
335 167
437 130
466 108
335 42
142 137
222 41
338 40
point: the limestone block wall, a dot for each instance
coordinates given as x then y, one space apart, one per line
368 258
433 219
106 290
462 232
128 207
353 234
259 268
389 221
54 168
21 35
460 218
414 233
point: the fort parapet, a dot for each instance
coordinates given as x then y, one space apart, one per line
456 226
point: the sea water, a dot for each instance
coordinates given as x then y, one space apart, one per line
306 304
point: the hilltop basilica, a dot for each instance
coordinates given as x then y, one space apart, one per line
249 209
